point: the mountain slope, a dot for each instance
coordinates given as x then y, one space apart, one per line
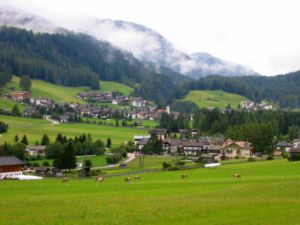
281 89
67 59
144 43
219 99
63 94
152 48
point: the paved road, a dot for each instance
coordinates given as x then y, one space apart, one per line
131 156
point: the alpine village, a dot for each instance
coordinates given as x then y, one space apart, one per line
93 133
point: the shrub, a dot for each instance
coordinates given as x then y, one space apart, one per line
3 127
285 155
35 164
166 165
46 163
270 157
95 172
113 159
87 163
180 163
173 168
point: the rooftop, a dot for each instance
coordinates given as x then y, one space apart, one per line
10 160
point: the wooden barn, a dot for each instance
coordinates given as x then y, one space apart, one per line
10 166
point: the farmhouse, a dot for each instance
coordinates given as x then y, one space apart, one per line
284 146
35 150
140 144
20 95
187 147
231 149
10 166
192 147
160 133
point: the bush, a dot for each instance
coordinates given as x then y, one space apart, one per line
113 159
46 163
270 157
3 127
180 163
285 155
173 168
35 164
166 165
95 172
87 163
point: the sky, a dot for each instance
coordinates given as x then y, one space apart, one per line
262 34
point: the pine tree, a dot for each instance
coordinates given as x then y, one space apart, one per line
45 140
108 143
15 111
24 140
16 138
68 157
59 138
25 83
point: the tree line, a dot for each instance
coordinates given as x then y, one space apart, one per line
283 90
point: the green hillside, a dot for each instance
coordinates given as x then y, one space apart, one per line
8 104
64 94
219 99
107 86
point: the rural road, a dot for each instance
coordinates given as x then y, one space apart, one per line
54 122
131 156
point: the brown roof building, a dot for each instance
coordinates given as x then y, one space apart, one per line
10 166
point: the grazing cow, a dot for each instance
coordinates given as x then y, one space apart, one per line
184 176
237 175
127 179
99 179
65 179
137 177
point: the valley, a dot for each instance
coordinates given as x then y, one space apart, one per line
108 121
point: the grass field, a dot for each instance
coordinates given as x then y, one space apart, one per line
112 122
219 99
64 94
8 104
267 193
108 86
35 128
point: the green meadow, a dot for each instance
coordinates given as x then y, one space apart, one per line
8 104
219 99
64 94
35 128
267 193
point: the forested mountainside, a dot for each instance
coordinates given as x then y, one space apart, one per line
282 89
67 59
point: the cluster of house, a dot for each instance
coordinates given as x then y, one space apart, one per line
252 106
114 98
138 108
208 148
